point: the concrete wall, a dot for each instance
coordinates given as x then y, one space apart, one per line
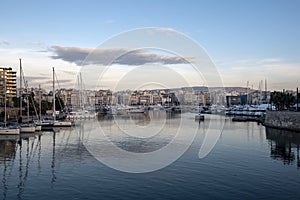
283 120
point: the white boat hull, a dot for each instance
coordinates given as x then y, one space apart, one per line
63 124
27 129
9 131
38 128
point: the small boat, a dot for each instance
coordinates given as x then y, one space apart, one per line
136 110
46 125
55 122
24 127
9 130
27 128
63 124
81 115
38 127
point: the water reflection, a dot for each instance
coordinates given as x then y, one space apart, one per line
8 147
7 152
284 145
58 164
126 131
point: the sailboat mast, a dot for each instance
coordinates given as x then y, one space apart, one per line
5 99
81 92
266 96
27 101
40 104
21 92
54 112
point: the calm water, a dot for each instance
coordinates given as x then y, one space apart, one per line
248 162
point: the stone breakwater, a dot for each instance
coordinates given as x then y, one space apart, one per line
283 120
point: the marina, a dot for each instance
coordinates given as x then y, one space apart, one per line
151 100
60 164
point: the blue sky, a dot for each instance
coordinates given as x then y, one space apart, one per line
247 40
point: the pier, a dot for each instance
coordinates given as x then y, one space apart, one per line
287 120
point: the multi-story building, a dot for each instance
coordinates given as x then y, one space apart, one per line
156 99
8 84
103 97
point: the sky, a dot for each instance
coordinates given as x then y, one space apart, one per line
246 40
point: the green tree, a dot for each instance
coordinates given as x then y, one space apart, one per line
282 100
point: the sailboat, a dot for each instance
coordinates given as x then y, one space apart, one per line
79 112
8 130
38 124
24 127
55 122
27 127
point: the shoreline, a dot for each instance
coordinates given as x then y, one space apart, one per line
283 120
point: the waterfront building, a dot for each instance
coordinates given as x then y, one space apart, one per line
103 97
188 98
126 99
145 98
8 76
156 99
134 99
233 100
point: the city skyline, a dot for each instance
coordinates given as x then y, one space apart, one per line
247 41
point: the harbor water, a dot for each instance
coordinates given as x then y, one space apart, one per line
247 162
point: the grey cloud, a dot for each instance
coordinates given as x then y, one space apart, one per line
60 81
4 43
104 56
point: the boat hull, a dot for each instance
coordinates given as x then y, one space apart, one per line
63 124
27 129
9 131
38 128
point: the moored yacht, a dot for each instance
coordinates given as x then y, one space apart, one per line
57 123
63 123
9 130
27 128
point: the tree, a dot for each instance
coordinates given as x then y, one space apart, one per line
282 100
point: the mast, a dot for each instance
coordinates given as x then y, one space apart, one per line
27 102
40 104
81 92
247 93
54 112
21 92
266 96
297 100
5 99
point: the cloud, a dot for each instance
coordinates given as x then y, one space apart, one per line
105 56
60 81
4 43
